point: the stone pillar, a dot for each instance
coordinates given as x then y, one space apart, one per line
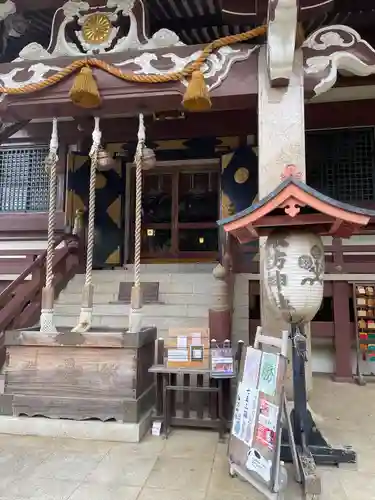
281 140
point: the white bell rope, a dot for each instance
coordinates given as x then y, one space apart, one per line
135 317
46 316
85 318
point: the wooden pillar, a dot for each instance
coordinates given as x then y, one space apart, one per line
219 316
342 328
281 129
341 318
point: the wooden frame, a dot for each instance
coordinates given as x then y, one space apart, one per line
173 168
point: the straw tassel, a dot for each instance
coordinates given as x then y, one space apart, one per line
197 97
85 92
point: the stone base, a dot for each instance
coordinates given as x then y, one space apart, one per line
95 431
343 380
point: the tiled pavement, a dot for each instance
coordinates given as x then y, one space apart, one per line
190 465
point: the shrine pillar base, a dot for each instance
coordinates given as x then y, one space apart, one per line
281 136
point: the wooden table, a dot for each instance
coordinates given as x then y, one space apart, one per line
193 412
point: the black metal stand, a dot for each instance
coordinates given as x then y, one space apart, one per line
312 447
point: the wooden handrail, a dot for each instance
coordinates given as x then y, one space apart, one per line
38 262
20 302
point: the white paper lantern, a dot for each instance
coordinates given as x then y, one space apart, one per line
294 274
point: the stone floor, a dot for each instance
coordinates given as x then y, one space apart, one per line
190 465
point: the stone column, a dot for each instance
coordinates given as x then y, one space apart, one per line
281 140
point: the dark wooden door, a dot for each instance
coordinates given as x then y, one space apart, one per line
180 210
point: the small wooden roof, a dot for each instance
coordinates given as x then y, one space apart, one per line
295 204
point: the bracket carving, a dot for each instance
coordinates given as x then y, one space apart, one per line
114 27
282 28
334 49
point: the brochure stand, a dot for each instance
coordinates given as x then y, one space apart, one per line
255 440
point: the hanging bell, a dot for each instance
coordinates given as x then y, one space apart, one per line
148 159
105 160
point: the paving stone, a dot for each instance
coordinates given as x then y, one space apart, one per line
42 489
358 486
189 465
93 491
129 470
162 494
191 444
65 465
180 474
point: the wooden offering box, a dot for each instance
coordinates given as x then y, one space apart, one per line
101 374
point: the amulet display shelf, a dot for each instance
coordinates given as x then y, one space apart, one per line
364 320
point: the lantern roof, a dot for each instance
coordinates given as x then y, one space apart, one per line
296 205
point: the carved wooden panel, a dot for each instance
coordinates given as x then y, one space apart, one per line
71 372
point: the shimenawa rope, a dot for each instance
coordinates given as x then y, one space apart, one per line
132 77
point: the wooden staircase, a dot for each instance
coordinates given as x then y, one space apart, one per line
20 301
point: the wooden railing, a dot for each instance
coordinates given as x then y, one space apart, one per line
340 259
20 301
334 323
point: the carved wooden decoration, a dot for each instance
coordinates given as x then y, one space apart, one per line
281 40
99 30
332 49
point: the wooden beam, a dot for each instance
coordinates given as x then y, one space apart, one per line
335 226
280 220
9 129
213 124
24 5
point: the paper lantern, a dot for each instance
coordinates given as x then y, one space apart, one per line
294 274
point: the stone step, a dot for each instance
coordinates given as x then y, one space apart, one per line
208 300
162 277
161 323
179 267
198 286
156 310
75 297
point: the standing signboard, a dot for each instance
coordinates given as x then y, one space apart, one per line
254 446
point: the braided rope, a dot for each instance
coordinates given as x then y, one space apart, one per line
51 164
85 317
138 202
96 136
132 77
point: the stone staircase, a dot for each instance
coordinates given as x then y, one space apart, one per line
186 292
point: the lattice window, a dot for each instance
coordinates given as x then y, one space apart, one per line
24 183
340 163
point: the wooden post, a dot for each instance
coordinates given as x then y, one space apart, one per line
341 318
220 316
280 116
159 360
